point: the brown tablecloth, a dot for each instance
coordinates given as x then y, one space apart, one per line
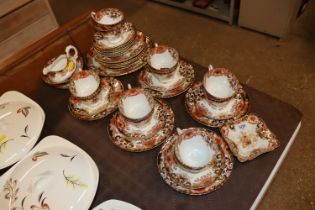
134 177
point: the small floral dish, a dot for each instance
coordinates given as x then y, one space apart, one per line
179 82
58 70
142 136
85 84
220 84
54 166
101 105
249 137
215 114
107 19
116 205
195 161
115 39
21 123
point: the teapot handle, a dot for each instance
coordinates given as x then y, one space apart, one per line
68 50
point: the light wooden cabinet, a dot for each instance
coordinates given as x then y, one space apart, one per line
22 22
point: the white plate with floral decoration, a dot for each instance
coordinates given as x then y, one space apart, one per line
196 182
21 122
114 204
179 82
145 137
215 114
52 168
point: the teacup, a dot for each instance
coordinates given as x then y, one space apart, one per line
162 61
136 105
59 70
84 84
108 19
220 84
192 150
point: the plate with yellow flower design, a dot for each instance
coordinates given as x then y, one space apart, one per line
53 168
21 122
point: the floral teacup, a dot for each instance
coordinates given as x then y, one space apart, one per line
108 19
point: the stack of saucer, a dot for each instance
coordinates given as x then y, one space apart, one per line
166 75
142 122
59 70
218 99
195 161
93 98
118 48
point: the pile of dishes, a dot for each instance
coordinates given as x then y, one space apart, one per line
218 99
59 70
195 161
142 122
166 75
93 98
118 48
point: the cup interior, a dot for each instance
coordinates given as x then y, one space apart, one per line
109 16
135 104
163 57
219 86
84 83
194 151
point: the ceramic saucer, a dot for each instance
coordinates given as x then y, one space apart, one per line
179 83
103 104
204 181
135 141
215 114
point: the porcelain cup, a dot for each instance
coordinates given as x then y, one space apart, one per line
108 19
192 150
220 84
162 61
85 84
136 105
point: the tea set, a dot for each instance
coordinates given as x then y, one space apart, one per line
166 75
194 160
93 98
118 48
141 122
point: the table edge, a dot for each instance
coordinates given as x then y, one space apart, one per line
276 168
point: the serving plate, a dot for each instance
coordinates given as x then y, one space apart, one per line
116 205
53 167
21 122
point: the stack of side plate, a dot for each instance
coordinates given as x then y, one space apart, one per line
118 52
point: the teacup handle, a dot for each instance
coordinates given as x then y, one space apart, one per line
155 44
210 67
179 131
69 54
93 15
129 86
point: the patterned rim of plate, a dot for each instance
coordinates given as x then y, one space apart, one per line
183 187
121 72
188 74
115 93
143 145
206 120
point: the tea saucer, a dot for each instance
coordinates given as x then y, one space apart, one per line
215 114
165 117
109 94
191 182
181 80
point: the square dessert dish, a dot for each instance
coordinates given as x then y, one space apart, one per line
249 137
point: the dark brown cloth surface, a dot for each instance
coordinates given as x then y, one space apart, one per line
134 177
